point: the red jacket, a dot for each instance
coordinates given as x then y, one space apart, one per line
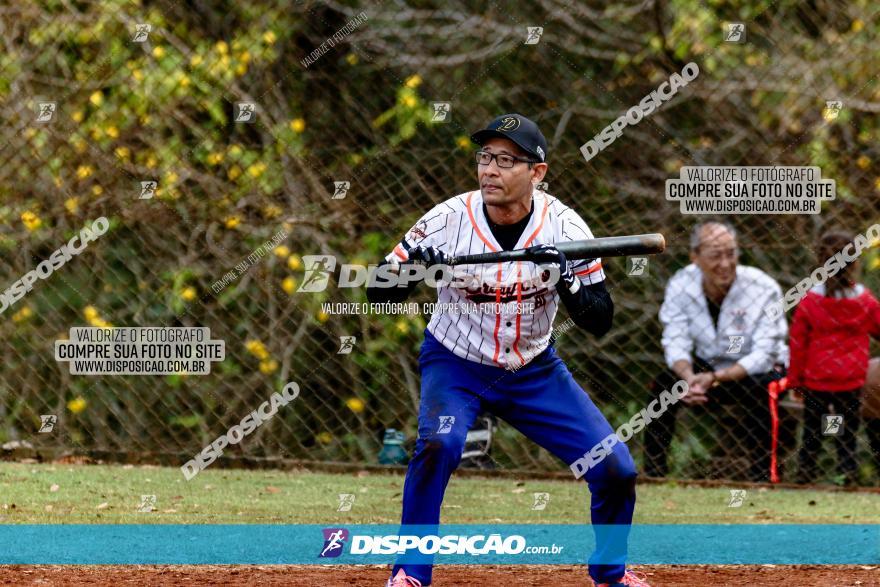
830 339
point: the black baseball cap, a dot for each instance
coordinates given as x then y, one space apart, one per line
520 130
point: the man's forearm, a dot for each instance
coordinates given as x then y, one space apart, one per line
683 369
381 293
591 307
733 373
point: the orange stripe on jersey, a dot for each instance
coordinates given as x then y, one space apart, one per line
540 224
589 270
398 250
497 314
477 228
518 306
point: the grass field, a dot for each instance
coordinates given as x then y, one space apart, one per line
61 493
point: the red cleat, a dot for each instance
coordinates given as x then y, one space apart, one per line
402 580
629 579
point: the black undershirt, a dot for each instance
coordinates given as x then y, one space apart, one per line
507 235
714 311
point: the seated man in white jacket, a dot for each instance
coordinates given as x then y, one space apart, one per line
717 337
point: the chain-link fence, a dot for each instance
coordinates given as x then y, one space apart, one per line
203 133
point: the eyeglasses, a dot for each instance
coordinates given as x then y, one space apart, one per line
503 161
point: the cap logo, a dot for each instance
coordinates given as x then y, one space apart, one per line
509 123
540 152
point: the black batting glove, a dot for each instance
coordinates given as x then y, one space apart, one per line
546 254
426 256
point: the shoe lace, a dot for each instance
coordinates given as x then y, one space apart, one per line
633 579
406 582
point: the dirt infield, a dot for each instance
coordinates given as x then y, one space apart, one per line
444 576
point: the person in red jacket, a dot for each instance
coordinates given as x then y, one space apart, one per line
829 344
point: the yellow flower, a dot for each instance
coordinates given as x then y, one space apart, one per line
297 125
80 145
84 171
151 162
22 314
877 184
97 133
188 294
97 190
241 69
288 285
31 221
271 211
245 57
158 52
294 262
257 349
90 312
100 323
463 142
413 81
185 81
196 60
138 75
402 326
351 58
123 152
323 316
77 116
863 162
221 47
410 101
269 366
77 405
97 98
269 37
875 263
72 205
232 221
857 25
355 404
281 251
234 151
324 438
234 172
112 132
214 158
256 170
171 177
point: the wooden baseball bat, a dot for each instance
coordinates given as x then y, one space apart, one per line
610 246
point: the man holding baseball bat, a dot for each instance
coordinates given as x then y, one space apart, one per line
488 346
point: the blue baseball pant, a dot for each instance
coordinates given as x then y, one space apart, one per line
544 402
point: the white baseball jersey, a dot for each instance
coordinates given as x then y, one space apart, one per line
505 314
